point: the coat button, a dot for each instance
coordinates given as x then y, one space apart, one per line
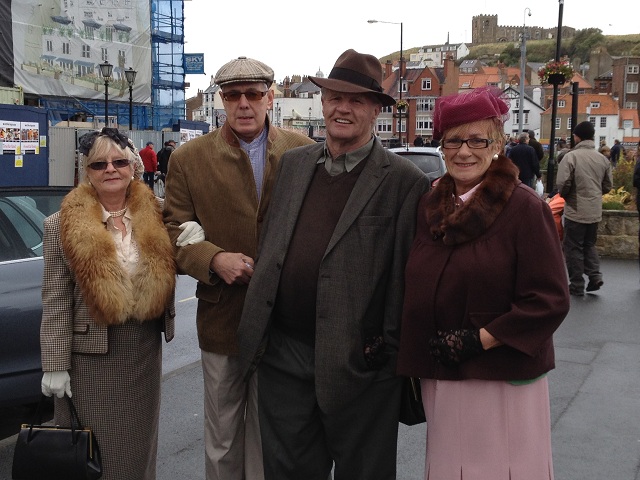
260 218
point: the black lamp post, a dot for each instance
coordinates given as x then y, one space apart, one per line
310 127
130 75
400 70
105 70
523 69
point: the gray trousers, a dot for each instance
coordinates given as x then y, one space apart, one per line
300 441
580 253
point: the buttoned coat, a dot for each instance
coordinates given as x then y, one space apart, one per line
210 180
360 284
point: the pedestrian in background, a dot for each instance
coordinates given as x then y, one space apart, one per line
163 157
418 142
107 296
150 162
322 316
536 145
481 304
617 152
525 158
224 180
584 175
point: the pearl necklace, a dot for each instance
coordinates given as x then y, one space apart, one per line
117 213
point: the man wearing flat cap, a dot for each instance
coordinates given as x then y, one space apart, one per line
223 180
321 319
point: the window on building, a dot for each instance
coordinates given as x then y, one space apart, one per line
602 140
88 32
424 122
632 87
627 124
425 104
525 118
633 105
108 31
595 105
593 121
426 84
633 69
384 125
403 125
65 48
561 103
603 85
49 46
569 123
104 54
86 51
603 122
122 57
558 123
403 86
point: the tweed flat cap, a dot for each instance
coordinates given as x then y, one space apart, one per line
243 69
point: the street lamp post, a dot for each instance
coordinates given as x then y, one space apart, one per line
310 128
523 68
130 75
401 72
105 70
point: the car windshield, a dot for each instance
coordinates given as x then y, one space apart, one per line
22 215
427 162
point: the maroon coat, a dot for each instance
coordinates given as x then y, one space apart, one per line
495 263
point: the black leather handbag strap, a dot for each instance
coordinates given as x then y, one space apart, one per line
75 419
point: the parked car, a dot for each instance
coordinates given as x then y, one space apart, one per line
22 212
428 159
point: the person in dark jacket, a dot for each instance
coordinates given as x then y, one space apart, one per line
163 157
481 305
536 145
525 158
616 150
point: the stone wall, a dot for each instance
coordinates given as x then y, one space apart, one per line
618 234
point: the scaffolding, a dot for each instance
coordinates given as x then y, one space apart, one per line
168 80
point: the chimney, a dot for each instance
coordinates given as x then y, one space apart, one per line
387 68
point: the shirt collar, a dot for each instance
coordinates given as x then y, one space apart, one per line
351 159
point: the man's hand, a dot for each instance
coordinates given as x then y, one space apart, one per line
233 267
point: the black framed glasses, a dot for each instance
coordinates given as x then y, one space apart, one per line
250 95
118 163
471 142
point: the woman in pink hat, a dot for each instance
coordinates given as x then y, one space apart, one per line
481 304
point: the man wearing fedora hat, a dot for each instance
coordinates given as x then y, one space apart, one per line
321 319
223 180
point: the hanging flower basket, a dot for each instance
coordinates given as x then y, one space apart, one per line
402 105
556 72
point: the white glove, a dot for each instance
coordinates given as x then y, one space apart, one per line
192 233
56 382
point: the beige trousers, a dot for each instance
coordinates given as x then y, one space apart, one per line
233 449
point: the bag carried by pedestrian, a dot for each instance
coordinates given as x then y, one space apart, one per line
56 453
411 408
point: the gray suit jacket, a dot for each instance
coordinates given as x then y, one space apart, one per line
365 259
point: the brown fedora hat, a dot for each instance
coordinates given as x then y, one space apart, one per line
356 72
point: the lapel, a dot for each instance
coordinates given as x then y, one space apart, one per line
368 182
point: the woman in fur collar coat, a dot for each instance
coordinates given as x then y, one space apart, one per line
108 294
485 290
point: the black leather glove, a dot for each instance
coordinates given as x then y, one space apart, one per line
453 347
374 353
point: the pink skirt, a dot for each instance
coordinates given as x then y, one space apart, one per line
487 430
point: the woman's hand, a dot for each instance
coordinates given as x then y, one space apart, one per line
453 347
192 233
57 383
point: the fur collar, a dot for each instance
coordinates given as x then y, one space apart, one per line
461 225
111 294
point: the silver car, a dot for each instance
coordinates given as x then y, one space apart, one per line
428 159
22 212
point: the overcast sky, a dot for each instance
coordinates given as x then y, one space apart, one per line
298 38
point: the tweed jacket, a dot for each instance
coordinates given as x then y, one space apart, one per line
364 261
84 288
210 180
496 262
583 176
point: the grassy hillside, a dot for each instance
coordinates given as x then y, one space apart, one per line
541 50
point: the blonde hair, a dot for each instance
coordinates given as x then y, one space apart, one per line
493 126
101 149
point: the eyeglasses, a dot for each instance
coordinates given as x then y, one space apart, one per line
250 95
119 163
471 143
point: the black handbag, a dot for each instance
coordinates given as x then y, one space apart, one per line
411 408
56 453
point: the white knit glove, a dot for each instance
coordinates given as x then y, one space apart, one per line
56 382
192 233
